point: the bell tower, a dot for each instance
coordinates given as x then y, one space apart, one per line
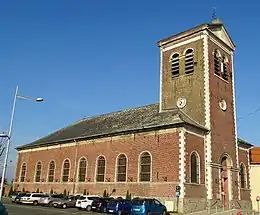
196 76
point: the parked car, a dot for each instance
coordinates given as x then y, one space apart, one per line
32 198
119 206
3 210
85 202
100 204
148 207
66 202
17 198
48 199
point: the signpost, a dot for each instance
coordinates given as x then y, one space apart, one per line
257 200
177 194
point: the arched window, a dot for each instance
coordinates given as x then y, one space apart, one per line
243 175
145 167
217 63
101 169
175 64
189 61
194 168
51 171
82 169
121 167
66 171
225 68
23 172
38 172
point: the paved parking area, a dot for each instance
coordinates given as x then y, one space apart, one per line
14 209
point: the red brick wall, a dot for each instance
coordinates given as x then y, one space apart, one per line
164 148
243 158
195 143
222 122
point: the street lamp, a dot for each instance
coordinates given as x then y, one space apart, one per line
8 136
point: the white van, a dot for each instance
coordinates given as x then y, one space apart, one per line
32 198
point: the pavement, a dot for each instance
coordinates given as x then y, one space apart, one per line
15 209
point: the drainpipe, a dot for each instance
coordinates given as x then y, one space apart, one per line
75 166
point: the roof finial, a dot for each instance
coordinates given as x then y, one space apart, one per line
214 16
214 13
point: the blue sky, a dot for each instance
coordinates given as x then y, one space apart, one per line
91 57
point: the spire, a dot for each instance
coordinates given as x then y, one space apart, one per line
215 19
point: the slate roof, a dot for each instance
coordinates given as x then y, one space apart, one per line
125 121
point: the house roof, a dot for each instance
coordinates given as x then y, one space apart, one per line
125 121
244 144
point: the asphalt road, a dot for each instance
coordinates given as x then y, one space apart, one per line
14 209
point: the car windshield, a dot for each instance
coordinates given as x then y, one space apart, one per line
82 197
65 198
138 202
28 195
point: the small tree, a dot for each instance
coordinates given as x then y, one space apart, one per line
23 190
88 193
11 191
51 192
65 192
37 191
105 194
85 192
128 195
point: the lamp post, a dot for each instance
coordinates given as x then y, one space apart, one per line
8 136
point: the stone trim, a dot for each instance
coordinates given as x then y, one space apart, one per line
249 175
182 161
182 43
208 155
161 82
235 123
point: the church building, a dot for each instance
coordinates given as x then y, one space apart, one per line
186 142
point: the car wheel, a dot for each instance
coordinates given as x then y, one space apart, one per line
35 203
88 208
149 213
119 212
64 206
50 204
164 212
104 210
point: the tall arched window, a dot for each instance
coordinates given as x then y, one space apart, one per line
217 62
243 175
121 167
66 171
38 172
194 168
82 169
23 172
225 68
145 167
189 61
175 64
51 171
101 169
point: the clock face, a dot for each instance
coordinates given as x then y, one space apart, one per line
181 103
223 105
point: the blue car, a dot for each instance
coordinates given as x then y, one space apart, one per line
148 206
119 206
3 210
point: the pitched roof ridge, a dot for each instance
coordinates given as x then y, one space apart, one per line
116 112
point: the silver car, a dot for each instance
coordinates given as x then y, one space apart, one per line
48 199
66 202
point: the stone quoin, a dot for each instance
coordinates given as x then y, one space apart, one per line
189 139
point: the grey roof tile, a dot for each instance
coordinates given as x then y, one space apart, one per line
128 120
